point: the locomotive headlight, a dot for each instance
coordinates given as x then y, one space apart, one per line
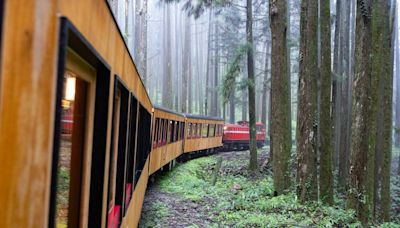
225 127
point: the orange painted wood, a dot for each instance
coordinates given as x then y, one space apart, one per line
27 98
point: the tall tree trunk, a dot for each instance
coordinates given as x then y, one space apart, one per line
343 89
251 88
143 43
167 86
265 86
361 112
387 73
397 101
280 106
215 107
307 111
375 121
208 72
335 98
244 105
326 178
186 68
289 66
137 29
190 70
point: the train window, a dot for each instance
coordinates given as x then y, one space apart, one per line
204 131
183 130
176 132
160 129
168 132
155 137
172 130
166 128
131 150
179 131
118 155
211 131
199 129
73 166
194 130
189 133
144 144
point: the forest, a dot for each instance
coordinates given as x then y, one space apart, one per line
322 75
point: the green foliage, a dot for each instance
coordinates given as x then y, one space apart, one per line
229 78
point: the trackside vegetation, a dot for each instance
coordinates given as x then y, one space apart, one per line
237 199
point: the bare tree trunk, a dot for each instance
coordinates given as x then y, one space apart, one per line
280 107
185 69
143 43
208 72
397 76
361 112
167 86
189 66
265 86
387 73
244 105
215 107
343 125
251 88
335 82
326 178
307 111
137 29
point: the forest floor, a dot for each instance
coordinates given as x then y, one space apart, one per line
185 197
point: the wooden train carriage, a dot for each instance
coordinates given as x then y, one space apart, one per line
61 57
168 137
202 133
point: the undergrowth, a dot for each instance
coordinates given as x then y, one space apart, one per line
237 201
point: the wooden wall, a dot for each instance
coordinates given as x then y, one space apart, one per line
27 97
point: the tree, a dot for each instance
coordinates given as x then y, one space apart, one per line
326 178
186 67
360 123
167 85
265 85
387 78
251 88
215 107
307 118
143 42
280 86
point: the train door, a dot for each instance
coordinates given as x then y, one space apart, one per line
73 168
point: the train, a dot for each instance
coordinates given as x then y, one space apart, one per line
237 136
79 135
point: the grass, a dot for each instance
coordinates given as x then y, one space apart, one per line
237 201
158 211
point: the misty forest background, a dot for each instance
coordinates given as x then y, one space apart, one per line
334 61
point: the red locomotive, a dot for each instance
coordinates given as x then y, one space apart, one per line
237 136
